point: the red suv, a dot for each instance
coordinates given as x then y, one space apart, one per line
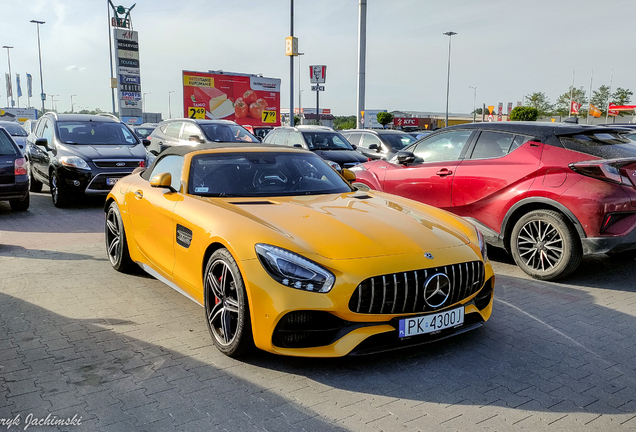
547 193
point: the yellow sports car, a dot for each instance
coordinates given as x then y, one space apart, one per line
284 254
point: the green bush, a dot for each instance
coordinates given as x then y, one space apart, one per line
522 113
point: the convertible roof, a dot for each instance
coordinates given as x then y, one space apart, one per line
184 150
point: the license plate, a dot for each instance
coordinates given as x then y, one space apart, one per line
111 181
431 323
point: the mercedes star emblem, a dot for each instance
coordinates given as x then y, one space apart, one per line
437 289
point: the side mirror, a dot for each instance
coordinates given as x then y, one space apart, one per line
145 142
196 138
405 157
42 142
374 147
348 175
163 180
353 146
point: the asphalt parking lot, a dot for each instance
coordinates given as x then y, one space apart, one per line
113 352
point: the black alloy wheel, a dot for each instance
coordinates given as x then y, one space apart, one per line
545 245
116 244
226 306
59 194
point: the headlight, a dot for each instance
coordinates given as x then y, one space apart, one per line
293 270
482 245
333 165
74 161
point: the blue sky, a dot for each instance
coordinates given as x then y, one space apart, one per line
505 48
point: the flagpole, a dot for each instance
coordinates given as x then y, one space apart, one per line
17 84
609 96
589 100
571 94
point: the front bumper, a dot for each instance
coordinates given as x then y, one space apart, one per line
92 182
337 331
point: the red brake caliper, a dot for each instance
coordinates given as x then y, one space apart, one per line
216 299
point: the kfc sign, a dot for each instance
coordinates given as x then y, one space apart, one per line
406 122
317 74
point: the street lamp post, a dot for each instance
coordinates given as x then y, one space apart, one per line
40 57
10 76
450 35
299 90
143 102
474 100
52 102
169 107
72 101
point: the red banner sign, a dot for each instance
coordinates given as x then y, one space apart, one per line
406 122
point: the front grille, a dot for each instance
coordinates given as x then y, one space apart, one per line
116 163
306 329
399 293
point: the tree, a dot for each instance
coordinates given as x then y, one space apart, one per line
524 114
622 97
562 106
344 122
541 102
384 118
477 111
600 98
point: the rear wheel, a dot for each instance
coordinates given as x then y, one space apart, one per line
20 204
116 244
545 245
59 193
227 311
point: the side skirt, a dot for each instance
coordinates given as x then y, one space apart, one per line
160 278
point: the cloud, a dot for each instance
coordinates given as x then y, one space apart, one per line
75 68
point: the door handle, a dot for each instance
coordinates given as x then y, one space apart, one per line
139 194
444 172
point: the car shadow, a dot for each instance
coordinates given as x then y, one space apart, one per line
22 252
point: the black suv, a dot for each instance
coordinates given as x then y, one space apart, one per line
76 154
14 182
378 144
179 132
322 140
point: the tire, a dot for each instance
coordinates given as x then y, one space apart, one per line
59 194
116 243
550 234
20 204
227 311
34 185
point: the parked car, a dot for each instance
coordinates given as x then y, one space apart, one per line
378 143
81 154
14 179
282 253
324 141
192 132
28 125
17 132
143 131
547 193
259 131
419 134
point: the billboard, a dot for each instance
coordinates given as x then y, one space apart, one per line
128 76
371 119
246 99
18 114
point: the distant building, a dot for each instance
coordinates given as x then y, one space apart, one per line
413 120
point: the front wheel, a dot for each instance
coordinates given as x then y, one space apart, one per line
227 310
116 244
59 194
545 245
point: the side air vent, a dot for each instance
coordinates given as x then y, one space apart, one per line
362 197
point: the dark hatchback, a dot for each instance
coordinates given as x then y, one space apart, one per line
14 179
325 142
80 154
378 144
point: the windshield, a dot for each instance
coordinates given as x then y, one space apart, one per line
605 145
261 174
326 141
398 141
6 146
14 129
95 133
143 132
227 133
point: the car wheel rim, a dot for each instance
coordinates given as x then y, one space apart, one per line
54 190
223 306
113 237
540 245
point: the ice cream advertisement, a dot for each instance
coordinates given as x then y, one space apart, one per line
246 99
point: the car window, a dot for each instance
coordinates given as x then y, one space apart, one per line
15 129
39 127
172 164
518 142
143 132
368 139
95 133
295 138
269 138
227 133
6 145
47 132
606 145
280 138
446 146
492 145
354 138
326 141
188 130
173 129
398 141
254 174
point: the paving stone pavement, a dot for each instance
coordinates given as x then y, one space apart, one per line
127 353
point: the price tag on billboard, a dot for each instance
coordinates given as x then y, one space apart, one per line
196 113
269 116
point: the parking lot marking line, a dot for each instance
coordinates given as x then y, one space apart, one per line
525 418
560 418
628 420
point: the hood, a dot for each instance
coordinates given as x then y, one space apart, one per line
352 225
91 152
341 156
